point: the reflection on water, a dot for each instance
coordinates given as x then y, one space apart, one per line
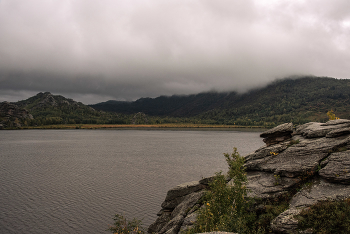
74 181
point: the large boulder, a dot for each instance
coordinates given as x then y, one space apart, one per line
176 195
337 168
278 134
179 207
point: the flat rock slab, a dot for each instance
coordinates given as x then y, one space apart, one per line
319 190
338 132
336 122
278 134
280 129
296 160
263 152
338 168
314 130
266 185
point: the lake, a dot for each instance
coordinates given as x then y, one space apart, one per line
74 181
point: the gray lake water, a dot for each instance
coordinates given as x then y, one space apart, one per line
74 181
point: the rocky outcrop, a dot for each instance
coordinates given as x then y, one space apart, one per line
47 100
316 130
316 153
178 209
12 116
278 134
337 168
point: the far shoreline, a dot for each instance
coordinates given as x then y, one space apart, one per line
171 126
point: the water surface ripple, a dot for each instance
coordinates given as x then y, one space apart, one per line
74 181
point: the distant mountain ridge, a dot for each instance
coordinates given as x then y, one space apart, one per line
176 105
300 100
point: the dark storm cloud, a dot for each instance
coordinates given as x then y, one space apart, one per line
94 51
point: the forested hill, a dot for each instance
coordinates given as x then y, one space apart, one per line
176 106
299 100
289 100
48 109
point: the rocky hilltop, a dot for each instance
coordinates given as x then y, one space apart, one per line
48 109
316 153
47 100
12 115
17 114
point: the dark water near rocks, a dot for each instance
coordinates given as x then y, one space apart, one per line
74 181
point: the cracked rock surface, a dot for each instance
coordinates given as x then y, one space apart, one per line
337 168
316 153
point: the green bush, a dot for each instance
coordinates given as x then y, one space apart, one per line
269 209
123 226
326 217
225 207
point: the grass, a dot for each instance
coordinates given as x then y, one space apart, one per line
326 217
293 142
269 209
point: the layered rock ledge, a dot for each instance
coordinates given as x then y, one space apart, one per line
318 153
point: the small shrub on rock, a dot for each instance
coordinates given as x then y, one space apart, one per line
331 115
123 226
326 217
225 206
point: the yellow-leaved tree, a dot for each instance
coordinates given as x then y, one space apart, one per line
331 115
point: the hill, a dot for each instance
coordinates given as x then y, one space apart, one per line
47 109
13 116
175 106
298 100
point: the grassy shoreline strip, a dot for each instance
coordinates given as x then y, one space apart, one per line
138 126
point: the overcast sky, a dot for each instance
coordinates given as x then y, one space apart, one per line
98 50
